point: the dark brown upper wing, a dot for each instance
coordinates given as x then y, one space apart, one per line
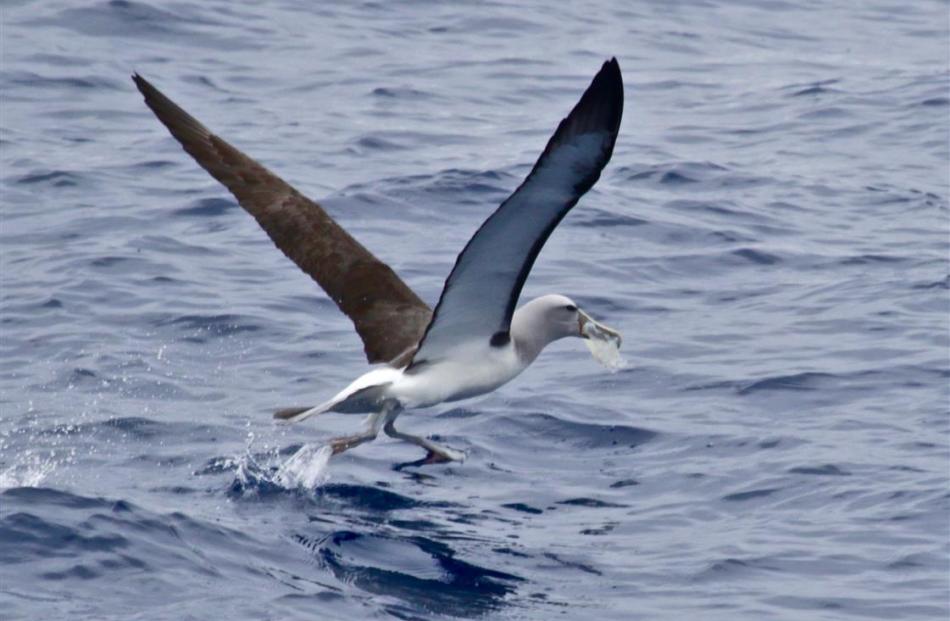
388 316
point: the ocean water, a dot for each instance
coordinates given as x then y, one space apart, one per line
771 237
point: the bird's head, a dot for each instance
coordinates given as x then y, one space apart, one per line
552 317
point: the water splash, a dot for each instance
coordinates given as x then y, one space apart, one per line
306 469
30 472
268 473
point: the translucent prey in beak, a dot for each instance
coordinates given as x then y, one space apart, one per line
603 342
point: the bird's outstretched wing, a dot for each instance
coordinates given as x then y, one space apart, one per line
482 291
388 315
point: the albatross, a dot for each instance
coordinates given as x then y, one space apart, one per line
476 339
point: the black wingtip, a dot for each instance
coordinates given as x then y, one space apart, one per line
600 109
142 84
606 91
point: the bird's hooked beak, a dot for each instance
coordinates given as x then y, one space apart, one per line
591 329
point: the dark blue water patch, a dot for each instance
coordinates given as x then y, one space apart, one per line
152 165
887 193
727 568
940 102
55 535
824 470
420 525
459 413
836 114
593 503
57 60
162 281
31 309
368 498
815 90
944 283
52 178
868 259
423 573
81 375
604 529
26 536
124 18
730 237
49 496
750 495
674 173
570 564
452 186
28 533
597 218
36 81
672 177
214 326
554 430
169 246
725 210
377 143
110 261
506 550
688 175
735 569
403 93
624 483
257 478
918 561
501 26
178 490
758 257
523 508
208 208
135 427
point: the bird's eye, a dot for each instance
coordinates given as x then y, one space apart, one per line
571 308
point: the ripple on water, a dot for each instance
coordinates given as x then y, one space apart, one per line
199 328
208 208
53 178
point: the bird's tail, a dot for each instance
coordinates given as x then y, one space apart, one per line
295 415
363 396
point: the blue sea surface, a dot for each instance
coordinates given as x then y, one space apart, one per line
771 237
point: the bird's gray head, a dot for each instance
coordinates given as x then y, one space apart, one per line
551 317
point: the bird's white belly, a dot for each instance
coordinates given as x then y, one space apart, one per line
468 373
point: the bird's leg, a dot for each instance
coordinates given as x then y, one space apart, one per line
373 423
344 443
437 454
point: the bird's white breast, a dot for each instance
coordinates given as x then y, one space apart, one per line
470 370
